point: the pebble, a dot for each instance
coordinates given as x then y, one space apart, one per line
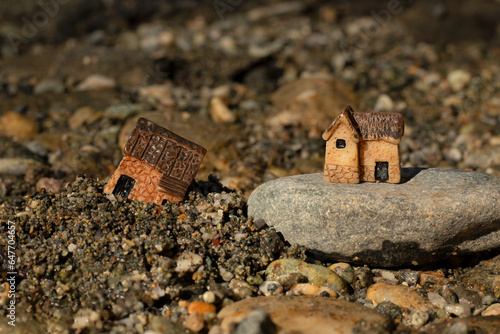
270 288
159 324
457 328
157 95
83 116
458 79
344 270
441 207
419 318
121 111
467 296
194 322
49 85
219 111
209 297
290 279
388 309
409 276
18 166
364 277
96 82
436 299
432 277
307 315
388 275
315 274
384 103
16 125
312 290
400 295
253 280
87 318
241 288
448 294
493 309
188 262
460 310
201 307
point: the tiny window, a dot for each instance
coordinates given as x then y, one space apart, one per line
340 143
124 186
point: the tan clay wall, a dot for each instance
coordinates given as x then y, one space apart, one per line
146 180
341 165
341 174
372 151
347 156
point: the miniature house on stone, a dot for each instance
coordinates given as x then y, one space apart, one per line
363 147
158 165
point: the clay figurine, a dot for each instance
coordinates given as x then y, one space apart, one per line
363 147
158 165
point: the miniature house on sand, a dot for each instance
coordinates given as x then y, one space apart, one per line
158 165
363 147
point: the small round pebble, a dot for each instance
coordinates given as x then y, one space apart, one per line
209 297
194 322
271 288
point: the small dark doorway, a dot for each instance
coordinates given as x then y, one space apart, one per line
124 186
381 171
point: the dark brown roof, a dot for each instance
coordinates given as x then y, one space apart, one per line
370 125
162 148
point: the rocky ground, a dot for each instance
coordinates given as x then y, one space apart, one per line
255 83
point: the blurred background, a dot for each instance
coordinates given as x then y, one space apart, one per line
254 82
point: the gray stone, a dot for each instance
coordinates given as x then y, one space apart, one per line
434 214
49 85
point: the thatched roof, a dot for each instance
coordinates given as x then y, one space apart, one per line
370 125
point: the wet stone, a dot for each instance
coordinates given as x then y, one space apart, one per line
399 295
290 279
364 277
409 276
315 274
364 223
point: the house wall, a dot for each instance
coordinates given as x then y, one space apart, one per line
372 151
341 165
146 179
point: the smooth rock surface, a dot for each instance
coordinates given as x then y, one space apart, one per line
307 315
434 214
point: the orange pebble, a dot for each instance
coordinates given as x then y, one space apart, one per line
201 307
305 289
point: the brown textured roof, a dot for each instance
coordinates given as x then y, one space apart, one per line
377 125
161 148
370 125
